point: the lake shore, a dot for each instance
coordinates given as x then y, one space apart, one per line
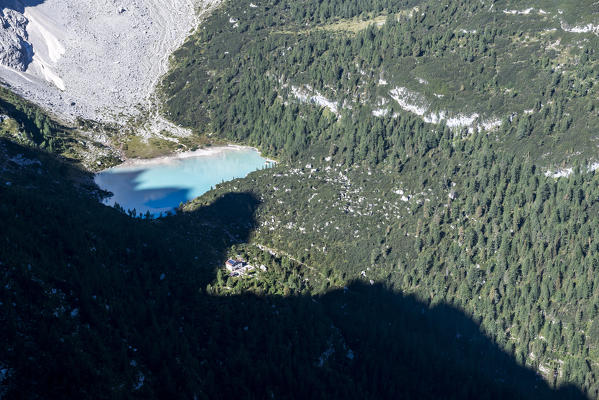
177 156
161 184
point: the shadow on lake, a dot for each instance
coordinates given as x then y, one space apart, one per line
160 185
136 321
124 186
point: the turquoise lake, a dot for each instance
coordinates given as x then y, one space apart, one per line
160 185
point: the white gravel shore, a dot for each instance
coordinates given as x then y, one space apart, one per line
176 157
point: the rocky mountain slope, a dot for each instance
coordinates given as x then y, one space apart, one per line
91 59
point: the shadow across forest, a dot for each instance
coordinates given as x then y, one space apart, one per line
96 304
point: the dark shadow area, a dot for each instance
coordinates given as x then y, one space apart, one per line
165 198
364 342
95 304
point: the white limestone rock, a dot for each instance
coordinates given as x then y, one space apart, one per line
15 50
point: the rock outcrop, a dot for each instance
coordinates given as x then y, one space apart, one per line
15 50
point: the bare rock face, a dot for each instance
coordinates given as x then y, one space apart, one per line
15 50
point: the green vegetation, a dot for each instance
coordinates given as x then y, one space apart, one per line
136 147
235 79
449 214
95 304
30 125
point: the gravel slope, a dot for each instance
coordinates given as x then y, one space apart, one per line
98 59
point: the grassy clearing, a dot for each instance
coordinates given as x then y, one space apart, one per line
137 147
355 25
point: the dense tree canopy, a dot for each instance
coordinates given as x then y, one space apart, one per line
407 253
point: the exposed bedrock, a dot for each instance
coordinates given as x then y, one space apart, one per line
15 51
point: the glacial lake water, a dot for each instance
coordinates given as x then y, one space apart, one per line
160 185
